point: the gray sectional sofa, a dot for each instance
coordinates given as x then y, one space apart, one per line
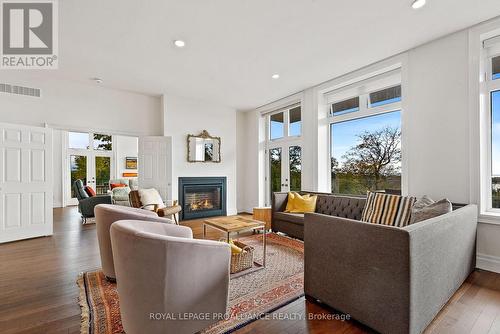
394 280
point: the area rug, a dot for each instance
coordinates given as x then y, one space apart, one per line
250 296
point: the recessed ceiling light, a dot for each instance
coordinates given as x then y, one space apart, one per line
275 76
97 80
179 43
418 4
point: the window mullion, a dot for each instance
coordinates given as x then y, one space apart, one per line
286 123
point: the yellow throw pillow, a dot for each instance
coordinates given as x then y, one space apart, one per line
292 199
235 249
289 203
303 204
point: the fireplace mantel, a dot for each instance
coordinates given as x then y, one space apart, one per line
202 197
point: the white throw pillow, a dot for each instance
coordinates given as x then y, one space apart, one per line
150 197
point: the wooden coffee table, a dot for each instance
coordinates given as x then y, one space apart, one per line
237 224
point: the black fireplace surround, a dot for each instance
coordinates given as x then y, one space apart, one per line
202 197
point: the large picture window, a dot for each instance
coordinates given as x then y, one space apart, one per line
365 137
366 154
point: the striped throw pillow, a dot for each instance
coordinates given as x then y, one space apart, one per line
393 210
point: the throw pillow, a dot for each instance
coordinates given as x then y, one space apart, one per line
303 204
420 213
422 202
385 209
89 191
150 197
121 193
292 199
117 185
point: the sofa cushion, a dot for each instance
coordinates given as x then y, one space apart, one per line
296 218
385 209
340 206
420 213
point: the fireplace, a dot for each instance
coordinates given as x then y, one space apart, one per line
202 197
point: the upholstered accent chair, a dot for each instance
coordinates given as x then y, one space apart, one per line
161 269
131 182
106 215
86 204
170 212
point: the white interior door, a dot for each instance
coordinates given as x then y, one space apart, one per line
155 164
26 182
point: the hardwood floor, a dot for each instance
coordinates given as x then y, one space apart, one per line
38 293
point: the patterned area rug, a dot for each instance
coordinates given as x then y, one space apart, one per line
250 296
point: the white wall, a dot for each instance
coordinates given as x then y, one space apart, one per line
436 110
436 132
124 146
241 167
77 106
72 105
184 116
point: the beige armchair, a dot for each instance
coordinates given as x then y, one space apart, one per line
168 281
107 214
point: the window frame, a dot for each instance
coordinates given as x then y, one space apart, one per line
286 124
487 87
283 142
364 88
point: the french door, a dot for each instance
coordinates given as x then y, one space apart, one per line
95 169
284 168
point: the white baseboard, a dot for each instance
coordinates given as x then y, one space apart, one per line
488 262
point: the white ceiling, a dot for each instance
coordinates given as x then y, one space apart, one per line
234 46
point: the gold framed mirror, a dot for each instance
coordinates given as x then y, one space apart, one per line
203 148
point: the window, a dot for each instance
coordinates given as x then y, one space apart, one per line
283 149
495 148
295 160
345 107
365 137
295 128
385 96
275 166
277 126
78 171
490 153
366 154
495 66
78 140
102 142
286 123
